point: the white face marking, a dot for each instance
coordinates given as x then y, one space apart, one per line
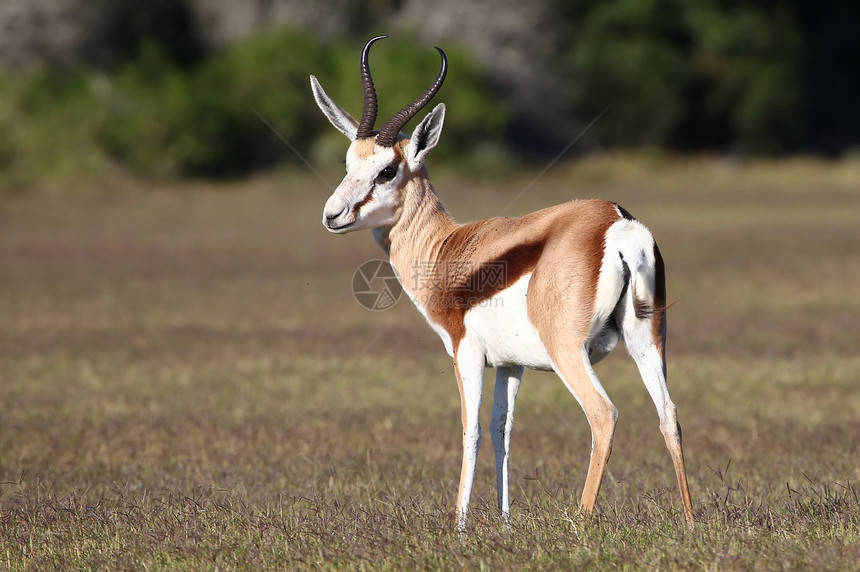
367 197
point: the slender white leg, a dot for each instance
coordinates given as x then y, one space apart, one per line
469 365
651 362
504 398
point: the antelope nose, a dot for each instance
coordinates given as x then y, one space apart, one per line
331 216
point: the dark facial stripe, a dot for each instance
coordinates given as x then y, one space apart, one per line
398 158
367 198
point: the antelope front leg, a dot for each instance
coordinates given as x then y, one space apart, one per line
501 424
469 365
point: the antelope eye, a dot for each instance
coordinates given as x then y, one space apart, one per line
386 174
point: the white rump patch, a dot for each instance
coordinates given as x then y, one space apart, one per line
632 240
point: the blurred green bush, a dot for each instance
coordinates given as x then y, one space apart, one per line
47 123
712 74
164 121
159 119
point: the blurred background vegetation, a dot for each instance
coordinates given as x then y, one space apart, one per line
167 89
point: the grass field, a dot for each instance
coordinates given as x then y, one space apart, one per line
187 383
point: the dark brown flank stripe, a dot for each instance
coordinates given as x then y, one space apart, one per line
450 298
456 295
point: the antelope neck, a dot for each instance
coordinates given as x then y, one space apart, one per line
421 229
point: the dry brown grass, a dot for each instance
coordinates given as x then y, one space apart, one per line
188 383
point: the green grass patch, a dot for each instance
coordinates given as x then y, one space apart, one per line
188 384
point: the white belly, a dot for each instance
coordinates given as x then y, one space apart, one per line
500 325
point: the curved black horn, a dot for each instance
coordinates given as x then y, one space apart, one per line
368 113
388 134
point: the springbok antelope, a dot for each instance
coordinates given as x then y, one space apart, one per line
566 283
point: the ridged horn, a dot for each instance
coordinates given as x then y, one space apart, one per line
368 113
388 134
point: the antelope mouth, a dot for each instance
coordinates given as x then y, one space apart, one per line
338 229
339 222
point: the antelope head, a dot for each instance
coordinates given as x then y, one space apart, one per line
378 163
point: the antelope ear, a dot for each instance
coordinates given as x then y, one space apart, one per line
342 121
425 137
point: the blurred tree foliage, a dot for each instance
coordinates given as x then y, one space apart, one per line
160 118
748 76
124 27
712 74
210 121
47 123
167 121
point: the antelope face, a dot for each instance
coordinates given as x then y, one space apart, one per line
368 196
377 163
